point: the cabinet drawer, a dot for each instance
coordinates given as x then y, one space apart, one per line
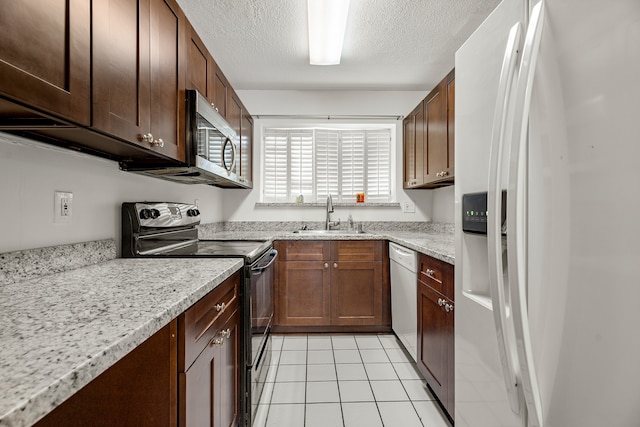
200 323
307 250
356 250
437 274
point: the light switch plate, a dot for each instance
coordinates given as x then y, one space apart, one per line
408 206
62 207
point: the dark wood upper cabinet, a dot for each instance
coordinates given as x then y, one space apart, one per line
450 82
200 65
428 138
234 111
45 56
138 73
220 88
413 146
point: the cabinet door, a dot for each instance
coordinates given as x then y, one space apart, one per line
304 293
356 293
451 106
220 87
138 73
139 390
167 77
413 146
435 343
199 66
229 384
234 111
45 56
435 154
121 103
209 388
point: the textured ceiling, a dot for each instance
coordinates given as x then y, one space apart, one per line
389 44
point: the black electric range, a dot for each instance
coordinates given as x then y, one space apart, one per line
163 229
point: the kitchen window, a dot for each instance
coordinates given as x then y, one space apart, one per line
315 162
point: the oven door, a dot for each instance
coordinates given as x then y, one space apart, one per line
261 277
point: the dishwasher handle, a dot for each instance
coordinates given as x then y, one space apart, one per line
403 256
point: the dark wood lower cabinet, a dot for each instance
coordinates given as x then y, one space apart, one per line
304 293
209 389
436 343
324 286
139 390
356 293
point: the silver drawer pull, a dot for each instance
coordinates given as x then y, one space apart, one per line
157 142
226 333
216 341
220 307
441 302
429 272
448 308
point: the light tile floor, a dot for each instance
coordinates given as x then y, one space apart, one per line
329 380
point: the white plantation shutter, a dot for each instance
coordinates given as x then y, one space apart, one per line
276 165
327 159
301 172
353 164
318 162
378 165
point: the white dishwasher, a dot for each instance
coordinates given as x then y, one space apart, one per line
404 296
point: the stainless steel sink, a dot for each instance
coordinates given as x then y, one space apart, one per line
329 232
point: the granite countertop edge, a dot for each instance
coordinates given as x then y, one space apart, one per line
26 404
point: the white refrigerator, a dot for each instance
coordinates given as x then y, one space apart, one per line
547 320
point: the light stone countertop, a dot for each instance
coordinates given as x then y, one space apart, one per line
59 331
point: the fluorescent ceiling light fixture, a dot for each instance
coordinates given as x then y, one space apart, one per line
327 23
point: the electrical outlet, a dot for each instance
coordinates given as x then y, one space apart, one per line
62 207
408 206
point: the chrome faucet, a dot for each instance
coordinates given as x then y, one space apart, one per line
328 223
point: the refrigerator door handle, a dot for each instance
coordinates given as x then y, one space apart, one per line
506 346
516 216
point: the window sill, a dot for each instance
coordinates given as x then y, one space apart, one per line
322 205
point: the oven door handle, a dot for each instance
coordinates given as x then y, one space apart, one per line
257 270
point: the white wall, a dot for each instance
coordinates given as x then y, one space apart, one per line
443 205
30 172
240 204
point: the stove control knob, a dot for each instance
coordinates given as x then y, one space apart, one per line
145 214
155 213
193 212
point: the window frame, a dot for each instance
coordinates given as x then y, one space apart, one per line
391 126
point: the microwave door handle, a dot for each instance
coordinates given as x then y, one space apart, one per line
233 155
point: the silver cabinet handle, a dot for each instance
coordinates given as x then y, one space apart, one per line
448 307
220 307
226 333
216 341
147 137
326 265
157 142
441 302
335 265
429 272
